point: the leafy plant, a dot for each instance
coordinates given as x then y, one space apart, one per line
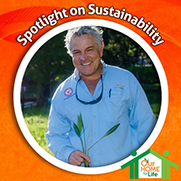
80 128
106 134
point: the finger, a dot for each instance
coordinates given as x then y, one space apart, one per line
76 162
83 155
78 157
75 158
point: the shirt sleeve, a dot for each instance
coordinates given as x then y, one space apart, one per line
58 135
142 119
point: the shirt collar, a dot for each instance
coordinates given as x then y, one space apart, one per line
76 72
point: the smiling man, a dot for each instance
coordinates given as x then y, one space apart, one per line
105 96
86 56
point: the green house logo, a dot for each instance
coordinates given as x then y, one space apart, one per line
150 165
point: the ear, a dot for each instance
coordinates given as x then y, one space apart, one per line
101 49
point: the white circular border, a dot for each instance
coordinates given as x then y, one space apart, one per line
44 39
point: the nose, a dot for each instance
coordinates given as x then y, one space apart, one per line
83 56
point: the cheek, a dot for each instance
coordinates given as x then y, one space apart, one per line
75 60
98 54
95 55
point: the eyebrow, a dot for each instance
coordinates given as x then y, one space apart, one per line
92 46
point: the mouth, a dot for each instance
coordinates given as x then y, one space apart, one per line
86 64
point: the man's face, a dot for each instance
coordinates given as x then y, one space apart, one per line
86 55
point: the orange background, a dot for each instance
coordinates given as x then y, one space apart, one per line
18 160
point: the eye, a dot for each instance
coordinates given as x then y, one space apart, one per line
76 53
90 49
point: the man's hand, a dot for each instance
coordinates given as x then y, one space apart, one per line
77 158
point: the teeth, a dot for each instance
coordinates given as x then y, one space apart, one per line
84 64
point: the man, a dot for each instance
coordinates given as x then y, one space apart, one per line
105 96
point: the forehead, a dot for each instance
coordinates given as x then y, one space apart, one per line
84 41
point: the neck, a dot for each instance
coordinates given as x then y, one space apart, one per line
91 81
91 84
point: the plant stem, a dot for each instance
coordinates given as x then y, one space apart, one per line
94 144
82 145
84 139
86 163
83 149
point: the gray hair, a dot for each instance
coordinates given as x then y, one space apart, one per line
84 30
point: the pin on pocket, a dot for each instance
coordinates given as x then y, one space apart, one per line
119 85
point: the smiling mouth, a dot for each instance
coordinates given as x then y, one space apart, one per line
86 64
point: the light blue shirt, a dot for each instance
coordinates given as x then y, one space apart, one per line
123 101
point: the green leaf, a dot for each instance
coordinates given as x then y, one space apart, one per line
112 130
107 133
76 130
80 122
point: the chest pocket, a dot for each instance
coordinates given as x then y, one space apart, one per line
116 104
117 95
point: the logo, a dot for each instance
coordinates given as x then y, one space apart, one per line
68 92
150 165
